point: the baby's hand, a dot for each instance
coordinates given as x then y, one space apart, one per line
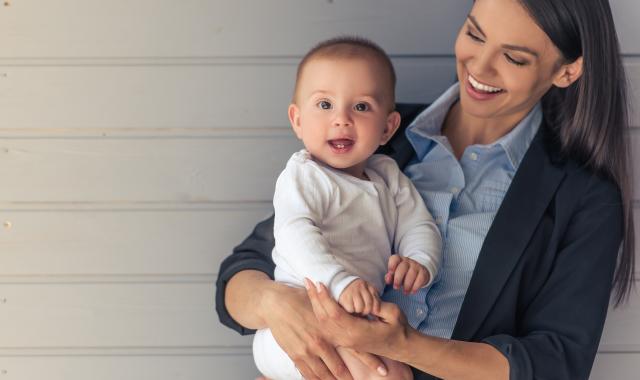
407 273
360 297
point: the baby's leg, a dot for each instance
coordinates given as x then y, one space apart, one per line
271 360
359 371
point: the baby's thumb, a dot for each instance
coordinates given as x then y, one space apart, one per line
394 260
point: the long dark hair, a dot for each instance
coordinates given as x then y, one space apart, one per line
590 117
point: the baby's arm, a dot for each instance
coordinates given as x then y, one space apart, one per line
418 243
302 199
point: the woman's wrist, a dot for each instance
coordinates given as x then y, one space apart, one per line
271 298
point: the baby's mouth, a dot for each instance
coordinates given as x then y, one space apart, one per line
341 143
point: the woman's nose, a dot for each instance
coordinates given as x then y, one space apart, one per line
483 63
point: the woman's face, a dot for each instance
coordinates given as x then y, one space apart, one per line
504 61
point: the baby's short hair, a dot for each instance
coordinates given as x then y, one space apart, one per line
347 47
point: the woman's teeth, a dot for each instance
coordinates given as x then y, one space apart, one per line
482 87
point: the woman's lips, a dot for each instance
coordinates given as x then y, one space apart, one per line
479 94
340 146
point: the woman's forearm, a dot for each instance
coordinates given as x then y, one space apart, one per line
244 295
452 359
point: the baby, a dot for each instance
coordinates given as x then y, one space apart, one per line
341 210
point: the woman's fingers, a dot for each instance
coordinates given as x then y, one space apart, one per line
318 308
372 361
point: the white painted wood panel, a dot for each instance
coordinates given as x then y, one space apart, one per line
164 241
221 367
48 315
625 15
142 170
124 170
175 99
184 241
154 28
85 28
621 332
244 94
618 366
127 315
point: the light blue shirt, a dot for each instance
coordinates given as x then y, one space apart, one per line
463 197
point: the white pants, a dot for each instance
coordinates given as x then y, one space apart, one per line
271 360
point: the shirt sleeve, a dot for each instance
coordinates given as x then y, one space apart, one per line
254 253
301 201
561 327
417 236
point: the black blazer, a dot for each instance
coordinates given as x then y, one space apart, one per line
540 289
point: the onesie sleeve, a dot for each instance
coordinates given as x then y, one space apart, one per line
417 236
301 201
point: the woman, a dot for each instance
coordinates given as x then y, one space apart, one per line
525 166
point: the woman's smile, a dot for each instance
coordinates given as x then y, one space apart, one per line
479 91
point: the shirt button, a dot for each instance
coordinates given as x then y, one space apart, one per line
455 190
420 312
473 156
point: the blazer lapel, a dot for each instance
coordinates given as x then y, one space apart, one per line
530 192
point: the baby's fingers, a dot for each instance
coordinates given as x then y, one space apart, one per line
394 260
410 280
421 280
398 276
375 306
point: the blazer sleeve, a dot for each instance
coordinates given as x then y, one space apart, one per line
561 328
253 253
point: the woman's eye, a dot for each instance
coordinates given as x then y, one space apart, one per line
515 62
325 105
361 107
474 37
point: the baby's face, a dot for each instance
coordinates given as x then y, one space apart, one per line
343 111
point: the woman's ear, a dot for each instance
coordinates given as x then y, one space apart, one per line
391 126
294 119
569 73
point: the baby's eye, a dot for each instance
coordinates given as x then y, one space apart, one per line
361 107
325 105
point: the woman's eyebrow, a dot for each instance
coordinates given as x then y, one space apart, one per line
475 23
506 46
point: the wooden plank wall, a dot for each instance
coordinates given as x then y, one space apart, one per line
140 141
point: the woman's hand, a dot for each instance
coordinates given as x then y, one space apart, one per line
384 336
294 326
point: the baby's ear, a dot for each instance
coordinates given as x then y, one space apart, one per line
294 119
391 126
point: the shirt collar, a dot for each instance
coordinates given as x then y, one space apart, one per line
427 126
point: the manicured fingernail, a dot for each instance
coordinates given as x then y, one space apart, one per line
382 371
306 283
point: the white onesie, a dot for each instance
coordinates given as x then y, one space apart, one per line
334 228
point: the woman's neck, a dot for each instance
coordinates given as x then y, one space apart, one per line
463 130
